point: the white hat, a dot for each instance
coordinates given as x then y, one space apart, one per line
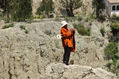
64 23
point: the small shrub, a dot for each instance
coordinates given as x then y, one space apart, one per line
84 31
30 20
111 49
108 65
87 19
111 52
7 20
114 17
8 26
41 17
79 18
102 18
48 32
26 31
77 25
102 30
115 26
116 56
81 30
23 28
114 65
92 17
115 30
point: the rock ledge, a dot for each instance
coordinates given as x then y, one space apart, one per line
61 71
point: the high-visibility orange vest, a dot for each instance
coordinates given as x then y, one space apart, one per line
68 38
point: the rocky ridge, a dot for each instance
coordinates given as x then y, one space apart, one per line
27 55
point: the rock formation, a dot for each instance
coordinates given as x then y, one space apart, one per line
25 55
61 71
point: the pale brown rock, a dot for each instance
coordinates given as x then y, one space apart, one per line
61 71
26 55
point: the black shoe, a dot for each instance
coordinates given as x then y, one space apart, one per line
65 63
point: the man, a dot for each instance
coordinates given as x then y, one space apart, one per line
68 41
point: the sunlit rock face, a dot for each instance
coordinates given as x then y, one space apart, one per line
26 55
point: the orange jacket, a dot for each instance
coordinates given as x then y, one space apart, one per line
68 38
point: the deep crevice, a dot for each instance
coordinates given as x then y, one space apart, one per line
90 72
10 75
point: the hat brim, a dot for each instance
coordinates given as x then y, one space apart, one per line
64 25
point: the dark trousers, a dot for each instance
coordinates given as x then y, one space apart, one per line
67 51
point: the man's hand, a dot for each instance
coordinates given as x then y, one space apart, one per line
72 30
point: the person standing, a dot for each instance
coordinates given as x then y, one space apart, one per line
68 41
